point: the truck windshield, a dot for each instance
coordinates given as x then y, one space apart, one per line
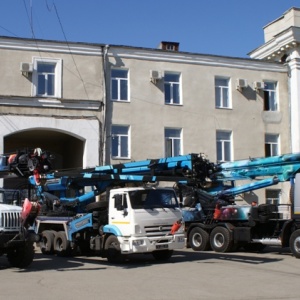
144 199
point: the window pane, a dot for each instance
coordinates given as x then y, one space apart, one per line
120 130
124 90
114 146
219 151
119 73
168 145
218 96
41 85
172 132
124 146
274 148
45 68
225 97
171 77
176 147
221 82
114 89
167 93
227 149
268 150
271 138
50 85
176 97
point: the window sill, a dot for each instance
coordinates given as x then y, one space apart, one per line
120 101
224 108
174 104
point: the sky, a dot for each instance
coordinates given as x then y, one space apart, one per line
217 27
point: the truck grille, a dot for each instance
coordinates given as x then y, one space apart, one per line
10 220
157 230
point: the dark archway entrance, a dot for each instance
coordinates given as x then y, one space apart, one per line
67 149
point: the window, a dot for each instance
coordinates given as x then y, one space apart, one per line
172 142
172 88
143 199
47 78
120 141
119 85
273 196
224 146
271 145
222 93
270 96
120 201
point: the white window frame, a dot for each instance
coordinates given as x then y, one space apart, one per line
119 81
272 95
172 139
273 142
170 85
223 90
119 137
225 144
57 80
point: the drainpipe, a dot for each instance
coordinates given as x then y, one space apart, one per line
104 106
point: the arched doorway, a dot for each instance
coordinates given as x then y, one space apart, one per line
67 149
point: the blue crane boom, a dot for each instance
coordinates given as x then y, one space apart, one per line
192 169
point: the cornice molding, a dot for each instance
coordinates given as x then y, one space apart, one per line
50 46
15 101
195 59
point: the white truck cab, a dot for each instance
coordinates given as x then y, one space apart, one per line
142 220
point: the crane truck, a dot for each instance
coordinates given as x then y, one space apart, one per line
16 236
214 221
130 216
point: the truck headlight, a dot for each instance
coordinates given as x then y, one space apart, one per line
138 243
137 229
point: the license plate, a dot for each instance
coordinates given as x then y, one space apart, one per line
161 246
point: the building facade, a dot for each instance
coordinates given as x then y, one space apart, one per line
92 104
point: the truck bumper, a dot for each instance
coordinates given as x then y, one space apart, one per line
145 244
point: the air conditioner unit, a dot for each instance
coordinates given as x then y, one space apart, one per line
258 85
155 75
26 67
242 83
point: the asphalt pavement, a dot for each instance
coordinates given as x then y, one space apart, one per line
272 274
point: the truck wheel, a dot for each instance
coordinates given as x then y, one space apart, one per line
162 255
21 257
199 239
47 241
61 245
220 240
295 243
113 250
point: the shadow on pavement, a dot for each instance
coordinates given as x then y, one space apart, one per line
80 263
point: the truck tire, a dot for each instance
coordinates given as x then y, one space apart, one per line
295 243
220 240
113 250
21 257
162 255
61 245
199 239
47 242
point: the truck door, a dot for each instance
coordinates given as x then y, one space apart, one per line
119 214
